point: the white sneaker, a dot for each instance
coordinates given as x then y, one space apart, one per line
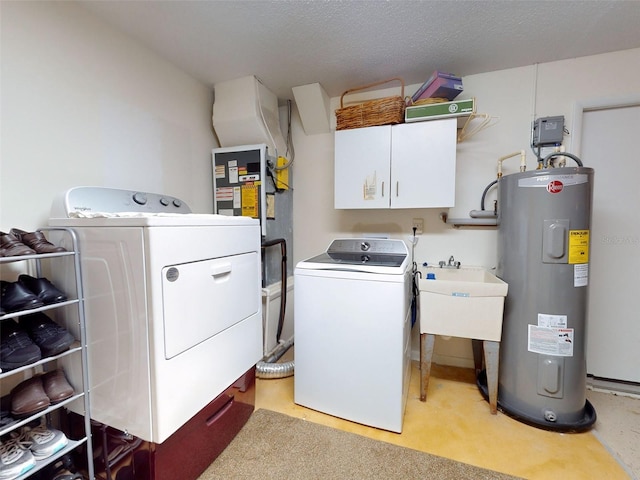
43 441
15 458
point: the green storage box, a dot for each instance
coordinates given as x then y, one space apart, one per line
436 111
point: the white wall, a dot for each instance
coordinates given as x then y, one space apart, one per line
515 97
82 104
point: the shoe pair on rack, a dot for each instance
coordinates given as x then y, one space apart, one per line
112 445
18 242
36 336
39 392
62 469
20 450
28 293
15 458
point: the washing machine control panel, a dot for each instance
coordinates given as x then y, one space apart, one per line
373 255
369 245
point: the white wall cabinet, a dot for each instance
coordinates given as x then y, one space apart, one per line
410 165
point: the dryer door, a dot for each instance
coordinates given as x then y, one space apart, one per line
200 299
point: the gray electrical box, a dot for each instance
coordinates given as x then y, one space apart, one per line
547 131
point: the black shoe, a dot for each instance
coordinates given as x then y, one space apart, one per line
43 289
47 334
16 348
14 296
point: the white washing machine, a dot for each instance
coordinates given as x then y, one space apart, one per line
352 316
172 304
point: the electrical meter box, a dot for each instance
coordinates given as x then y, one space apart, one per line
244 184
239 175
547 131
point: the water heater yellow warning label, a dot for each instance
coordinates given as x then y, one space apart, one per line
578 246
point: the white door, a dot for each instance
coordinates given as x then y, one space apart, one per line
423 164
202 299
362 157
609 146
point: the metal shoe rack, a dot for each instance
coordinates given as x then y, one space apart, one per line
69 314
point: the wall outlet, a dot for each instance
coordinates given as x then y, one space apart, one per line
418 224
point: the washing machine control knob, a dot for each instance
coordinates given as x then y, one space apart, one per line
140 198
365 246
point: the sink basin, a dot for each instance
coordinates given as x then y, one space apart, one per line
466 302
466 281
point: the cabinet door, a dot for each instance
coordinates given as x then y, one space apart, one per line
423 165
362 169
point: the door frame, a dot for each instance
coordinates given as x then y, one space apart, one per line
580 107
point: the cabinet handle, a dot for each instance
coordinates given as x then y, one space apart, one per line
382 189
397 189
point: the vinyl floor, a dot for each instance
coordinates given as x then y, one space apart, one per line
455 423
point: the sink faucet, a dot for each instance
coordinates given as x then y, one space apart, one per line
451 264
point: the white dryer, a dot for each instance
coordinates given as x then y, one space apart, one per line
352 316
172 302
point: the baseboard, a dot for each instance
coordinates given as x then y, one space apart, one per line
614 386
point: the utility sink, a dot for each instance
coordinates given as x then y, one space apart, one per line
463 302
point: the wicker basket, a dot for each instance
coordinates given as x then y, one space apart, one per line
383 111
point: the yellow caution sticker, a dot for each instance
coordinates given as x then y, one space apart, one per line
250 201
578 246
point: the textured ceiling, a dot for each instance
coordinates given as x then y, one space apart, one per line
342 44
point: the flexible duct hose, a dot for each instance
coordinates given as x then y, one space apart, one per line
268 368
274 370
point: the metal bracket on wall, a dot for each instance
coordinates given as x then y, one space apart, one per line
468 222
